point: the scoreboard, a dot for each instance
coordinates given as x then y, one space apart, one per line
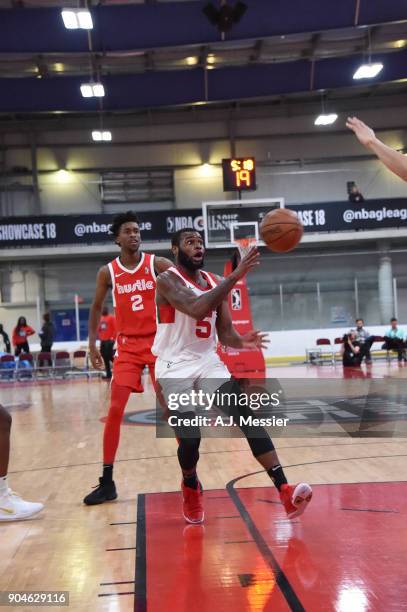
239 174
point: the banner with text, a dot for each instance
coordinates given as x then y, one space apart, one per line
57 230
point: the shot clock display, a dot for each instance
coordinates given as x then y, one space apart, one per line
239 174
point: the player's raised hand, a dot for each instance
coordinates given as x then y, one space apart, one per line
96 358
255 339
363 132
247 263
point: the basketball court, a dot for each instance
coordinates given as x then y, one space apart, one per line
346 553
258 129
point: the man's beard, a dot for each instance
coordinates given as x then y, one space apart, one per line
188 262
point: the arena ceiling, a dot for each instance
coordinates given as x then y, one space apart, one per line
155 55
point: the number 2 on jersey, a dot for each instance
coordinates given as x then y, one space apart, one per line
203 328
137 302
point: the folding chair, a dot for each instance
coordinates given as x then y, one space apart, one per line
44 357
327 355
337 353
7 367
389 352
80 365
378 352
26 371
62 363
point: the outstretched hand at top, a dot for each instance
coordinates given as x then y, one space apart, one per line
363 132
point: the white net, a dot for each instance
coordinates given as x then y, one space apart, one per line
244 245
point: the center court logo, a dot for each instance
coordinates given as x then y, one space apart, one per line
140 417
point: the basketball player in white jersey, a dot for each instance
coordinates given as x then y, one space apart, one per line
192 313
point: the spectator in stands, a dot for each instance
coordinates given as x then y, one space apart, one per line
47 334
355 195
20 335
107 337
364 341
5 346
395 340
350 350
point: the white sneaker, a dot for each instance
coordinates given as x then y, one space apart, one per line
13 508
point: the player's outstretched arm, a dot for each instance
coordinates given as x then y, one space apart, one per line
173 290
228 336
102 287
393 160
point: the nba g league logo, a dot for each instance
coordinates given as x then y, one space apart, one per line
236 299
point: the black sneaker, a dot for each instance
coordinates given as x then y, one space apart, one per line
105 491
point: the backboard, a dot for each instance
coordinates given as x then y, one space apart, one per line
225 221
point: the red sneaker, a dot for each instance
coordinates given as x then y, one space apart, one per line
295 498
192 507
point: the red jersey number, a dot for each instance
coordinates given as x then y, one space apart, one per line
203 328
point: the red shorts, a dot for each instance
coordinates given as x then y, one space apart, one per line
132 355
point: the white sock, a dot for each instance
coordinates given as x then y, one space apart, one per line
3 485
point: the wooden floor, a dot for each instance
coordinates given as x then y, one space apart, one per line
90 551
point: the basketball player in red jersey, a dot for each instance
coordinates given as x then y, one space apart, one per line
132 280
193 313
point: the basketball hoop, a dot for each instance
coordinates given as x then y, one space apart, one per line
245 244
244 235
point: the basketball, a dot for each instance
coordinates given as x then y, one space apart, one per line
281 230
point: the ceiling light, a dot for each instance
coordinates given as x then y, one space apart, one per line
211 58
86 91
206 169
75 19
99 136
85 20
70 20
326 119
92 90
368 71
191 61
63 176
98 90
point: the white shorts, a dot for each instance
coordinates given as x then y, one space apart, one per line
206 374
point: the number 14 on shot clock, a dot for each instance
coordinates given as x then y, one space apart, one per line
239 174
